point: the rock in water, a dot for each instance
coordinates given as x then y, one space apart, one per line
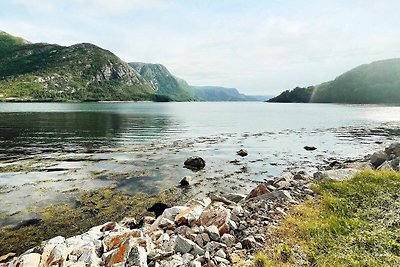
195 163
187 180
378 158
310 148
242 153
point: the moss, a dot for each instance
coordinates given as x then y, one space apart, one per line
91 208
354 223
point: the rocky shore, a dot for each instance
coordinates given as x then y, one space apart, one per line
219 230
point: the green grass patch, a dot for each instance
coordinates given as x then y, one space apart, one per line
354 223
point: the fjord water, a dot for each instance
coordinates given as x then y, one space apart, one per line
42 125
50 152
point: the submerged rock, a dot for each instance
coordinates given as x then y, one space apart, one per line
195 163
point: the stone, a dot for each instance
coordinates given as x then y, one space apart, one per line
195 163
221 260
195 263
190 215
214 246
115 239
137 257
166 224
378 158
213 232
206 237
216 214
257 191
234 197
108 227
220 253
395 164
57 256
386 166
228 240
27 260
250 243
199 240
7 257
310 148
183 245
393 150
197 250
118 255
187 180
336 175
242 153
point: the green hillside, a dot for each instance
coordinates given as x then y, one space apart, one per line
79 72
374 83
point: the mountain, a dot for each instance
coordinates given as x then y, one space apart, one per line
374 83
163 82
86 72
215 93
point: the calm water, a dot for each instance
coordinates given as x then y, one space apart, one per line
51 151
91 125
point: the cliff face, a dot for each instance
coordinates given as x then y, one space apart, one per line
163 82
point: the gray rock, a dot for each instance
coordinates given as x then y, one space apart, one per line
228 240
220 253
378 158
250 243
195 163
187 180
234 197
197 250
393 150
337 175
214 246
137 257
195 263
386 166
395 164
183 245
213 232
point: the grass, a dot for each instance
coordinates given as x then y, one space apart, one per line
353 223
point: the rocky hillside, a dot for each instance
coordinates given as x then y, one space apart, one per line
374 83
163 82
79 72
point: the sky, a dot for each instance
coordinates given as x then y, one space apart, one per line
260 47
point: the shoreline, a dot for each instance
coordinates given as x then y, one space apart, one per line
223 229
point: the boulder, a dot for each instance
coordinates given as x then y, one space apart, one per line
242 153
395 164
194 163
187 180
258 191
393 150
378 158
216 214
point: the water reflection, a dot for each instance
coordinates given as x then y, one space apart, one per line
90 130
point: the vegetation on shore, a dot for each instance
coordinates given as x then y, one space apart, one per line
352 223
374 83
91 208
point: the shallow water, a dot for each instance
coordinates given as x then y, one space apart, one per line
50 151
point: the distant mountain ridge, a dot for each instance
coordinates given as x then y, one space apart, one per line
374 83
86 72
